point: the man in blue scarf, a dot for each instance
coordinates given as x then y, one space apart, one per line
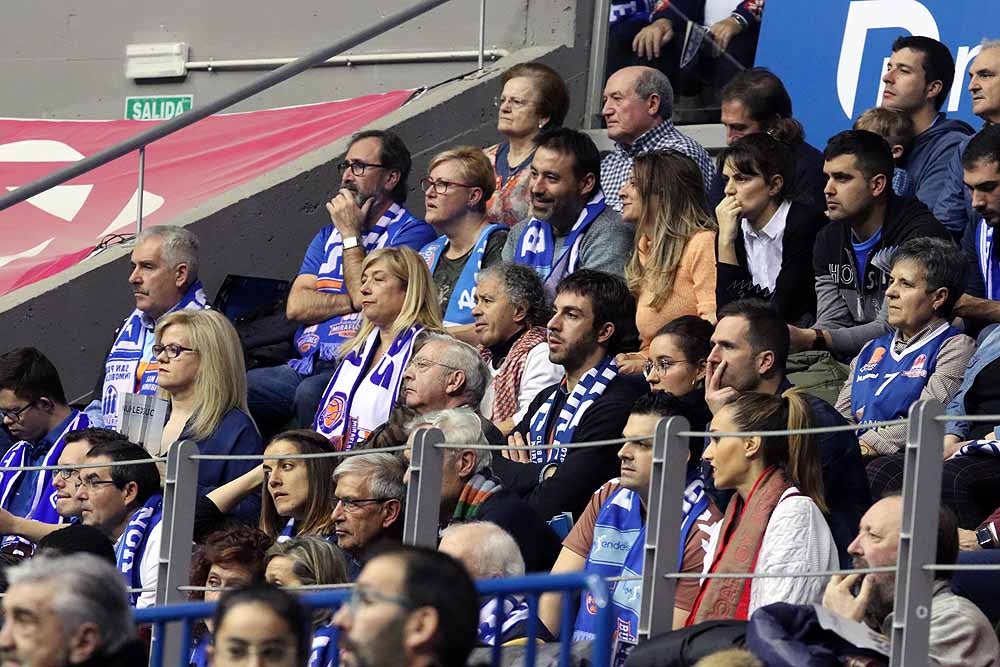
126 503
34 409
164 278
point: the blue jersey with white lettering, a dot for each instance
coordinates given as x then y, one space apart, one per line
886 384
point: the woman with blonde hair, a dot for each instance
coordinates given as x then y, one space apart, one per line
672 268
309 561
398 303
774 523
202 374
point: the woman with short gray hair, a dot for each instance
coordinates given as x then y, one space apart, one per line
510 316
922 357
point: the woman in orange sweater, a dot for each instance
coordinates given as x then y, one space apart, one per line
672 269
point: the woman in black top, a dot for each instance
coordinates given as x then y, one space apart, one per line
765 241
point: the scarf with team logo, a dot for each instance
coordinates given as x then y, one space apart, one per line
618 548
131 545
463 293
355 402
536 247
989 265
131 353
513 612
43 501
325 338
584 394
323 647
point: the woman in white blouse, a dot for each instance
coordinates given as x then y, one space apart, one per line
775 521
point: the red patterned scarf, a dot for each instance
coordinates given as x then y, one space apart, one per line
507 383
743 529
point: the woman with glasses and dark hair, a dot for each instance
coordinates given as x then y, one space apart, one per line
765 239
264 621
459 182
534 98
202 374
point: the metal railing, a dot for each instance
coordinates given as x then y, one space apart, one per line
140 141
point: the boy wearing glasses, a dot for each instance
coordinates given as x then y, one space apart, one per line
34 410
325 299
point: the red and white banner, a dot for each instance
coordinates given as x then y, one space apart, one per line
59 227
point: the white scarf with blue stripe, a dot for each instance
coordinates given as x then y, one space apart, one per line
132 544
463 294
988 264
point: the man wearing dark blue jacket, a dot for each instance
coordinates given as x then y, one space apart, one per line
917 82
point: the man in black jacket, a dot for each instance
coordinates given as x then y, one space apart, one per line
594 314
68 610
852 253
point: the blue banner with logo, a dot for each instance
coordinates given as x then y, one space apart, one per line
831 54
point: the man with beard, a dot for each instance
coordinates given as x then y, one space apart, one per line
411 607
325 299
571 227
959 632
594 316
981 171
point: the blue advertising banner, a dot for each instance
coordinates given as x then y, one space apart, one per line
831 53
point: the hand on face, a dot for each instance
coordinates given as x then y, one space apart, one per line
728 214
838 596
717 396
346 215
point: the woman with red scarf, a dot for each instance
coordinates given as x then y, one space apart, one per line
774 523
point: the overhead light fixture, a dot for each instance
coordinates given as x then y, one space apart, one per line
156 61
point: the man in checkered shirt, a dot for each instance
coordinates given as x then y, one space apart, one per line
638 104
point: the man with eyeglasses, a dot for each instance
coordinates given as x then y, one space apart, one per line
34 409
459 183
411 607
325 299
123 498
63 492
368 510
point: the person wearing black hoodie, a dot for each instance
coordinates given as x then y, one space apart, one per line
852 253
917 82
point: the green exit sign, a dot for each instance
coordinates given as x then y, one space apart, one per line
157 107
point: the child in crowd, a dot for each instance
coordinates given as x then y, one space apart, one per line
897 129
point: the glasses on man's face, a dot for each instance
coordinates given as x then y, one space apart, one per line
358 167
173 350
66 473
15 415
423 364
440 185
363 597
354 504
93 483
516 103
662 365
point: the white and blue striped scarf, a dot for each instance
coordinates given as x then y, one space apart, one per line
132 544
515 610
988 264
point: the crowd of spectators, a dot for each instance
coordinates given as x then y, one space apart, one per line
552 297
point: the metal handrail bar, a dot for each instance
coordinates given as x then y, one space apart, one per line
964 567
349 60
81 466
967 418
315 455
778 575
198 113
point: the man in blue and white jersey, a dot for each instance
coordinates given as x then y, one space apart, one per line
325 299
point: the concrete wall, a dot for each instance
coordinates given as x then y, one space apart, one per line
263 227
66 59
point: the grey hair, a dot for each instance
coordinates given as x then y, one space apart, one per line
524 288
87 590
493 551
460 426
943 263
654 82
180 246
384 473
314 560
463 357
989 44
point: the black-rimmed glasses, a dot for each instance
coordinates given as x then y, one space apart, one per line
173 350
441 186
15 415
354 504
92 483
358 167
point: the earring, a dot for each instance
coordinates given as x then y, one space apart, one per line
541 125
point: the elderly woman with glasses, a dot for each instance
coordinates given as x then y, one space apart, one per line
202 374
534 98
458 184
923 357
398 303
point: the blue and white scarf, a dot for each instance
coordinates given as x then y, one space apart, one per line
989 266
323 647
515 610
618 549
536 247
325 338
355 403
587 390
131 545
985 447
134 347
463 294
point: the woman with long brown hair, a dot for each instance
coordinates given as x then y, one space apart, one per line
774 523
672 269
